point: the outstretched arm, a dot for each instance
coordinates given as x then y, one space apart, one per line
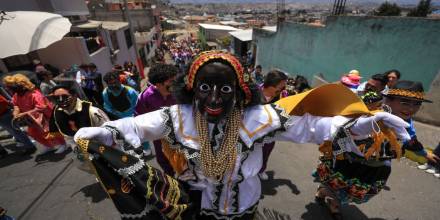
133 130
311 129
315 129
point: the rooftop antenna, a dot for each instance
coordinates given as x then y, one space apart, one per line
281 11
339 7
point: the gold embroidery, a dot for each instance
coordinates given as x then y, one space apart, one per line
150 178
181 127
126 186
83 145
101 149
111 191
252 134
124 158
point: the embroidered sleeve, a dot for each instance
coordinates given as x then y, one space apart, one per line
149 126
310 129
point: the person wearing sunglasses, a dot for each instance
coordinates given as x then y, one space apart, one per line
71 113
405 99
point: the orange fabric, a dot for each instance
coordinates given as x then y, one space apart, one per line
176 158
123 79
337 99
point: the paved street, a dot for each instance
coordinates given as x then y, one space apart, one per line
53 188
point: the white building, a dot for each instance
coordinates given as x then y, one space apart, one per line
104 43
212 32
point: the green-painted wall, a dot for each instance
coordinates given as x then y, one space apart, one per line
369 44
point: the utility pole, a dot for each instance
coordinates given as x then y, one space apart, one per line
133 38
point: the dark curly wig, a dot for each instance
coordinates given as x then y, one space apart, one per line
184 96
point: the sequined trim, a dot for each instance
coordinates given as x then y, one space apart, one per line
128 171
170 136
144 212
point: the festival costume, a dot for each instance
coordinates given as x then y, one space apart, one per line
357 170
83 115
238 192
218 163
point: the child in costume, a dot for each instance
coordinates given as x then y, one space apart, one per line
405 100
220 128
357 170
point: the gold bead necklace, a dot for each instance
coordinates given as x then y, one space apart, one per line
216 164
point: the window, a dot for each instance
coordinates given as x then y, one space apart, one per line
114 39
128 38
93 39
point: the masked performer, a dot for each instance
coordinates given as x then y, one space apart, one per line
220 129
71 113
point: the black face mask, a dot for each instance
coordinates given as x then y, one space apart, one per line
62 101
215 91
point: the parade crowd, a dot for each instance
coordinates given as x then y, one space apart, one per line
47 113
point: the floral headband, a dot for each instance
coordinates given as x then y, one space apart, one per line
206 57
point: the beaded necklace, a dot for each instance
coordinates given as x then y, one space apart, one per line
216 164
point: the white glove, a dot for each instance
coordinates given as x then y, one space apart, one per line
367 125
99 134
133 140
105 136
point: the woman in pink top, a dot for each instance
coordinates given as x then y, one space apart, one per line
34 109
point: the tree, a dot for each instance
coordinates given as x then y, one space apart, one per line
422 9
224 41
388 9
202 41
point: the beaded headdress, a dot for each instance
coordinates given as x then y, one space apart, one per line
208 56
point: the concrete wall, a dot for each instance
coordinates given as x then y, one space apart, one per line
64 53
213 35
430 112
70 7
102 60
142 19
23 5
124 53
369 44
63 7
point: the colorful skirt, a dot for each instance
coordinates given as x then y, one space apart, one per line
353 181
